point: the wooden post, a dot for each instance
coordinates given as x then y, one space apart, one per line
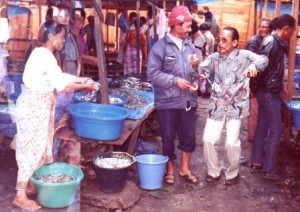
278 8
261 9
107 29
266 8
138 37
291 67
100 50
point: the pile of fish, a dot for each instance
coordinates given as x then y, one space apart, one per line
135 100
113 163
82 96
115 100
135 84
55 178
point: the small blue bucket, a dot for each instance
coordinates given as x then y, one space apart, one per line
151 170
14 85
294 106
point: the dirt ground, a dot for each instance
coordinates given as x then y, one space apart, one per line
252 193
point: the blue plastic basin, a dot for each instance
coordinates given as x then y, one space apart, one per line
5 117
98 121
14 84
294 106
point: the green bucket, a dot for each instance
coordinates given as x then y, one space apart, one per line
57 195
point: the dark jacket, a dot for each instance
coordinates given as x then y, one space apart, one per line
271 80
165 63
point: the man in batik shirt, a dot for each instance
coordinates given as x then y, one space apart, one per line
229 102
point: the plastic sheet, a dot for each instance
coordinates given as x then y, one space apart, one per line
139 113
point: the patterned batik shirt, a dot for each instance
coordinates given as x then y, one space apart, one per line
230 89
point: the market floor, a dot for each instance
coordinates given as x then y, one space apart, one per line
252 193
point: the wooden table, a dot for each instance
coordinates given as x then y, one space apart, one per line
130 132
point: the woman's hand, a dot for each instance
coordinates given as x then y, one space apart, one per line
87 88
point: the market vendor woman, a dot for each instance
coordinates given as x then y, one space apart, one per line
42 77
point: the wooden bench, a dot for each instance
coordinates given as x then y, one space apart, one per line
130 133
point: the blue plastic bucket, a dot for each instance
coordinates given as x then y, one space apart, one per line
151 170
294 106
5 117
57 195
98 121
297 60
14 85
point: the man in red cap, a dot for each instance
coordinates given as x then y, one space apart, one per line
172 69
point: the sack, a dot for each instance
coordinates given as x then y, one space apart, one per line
123 23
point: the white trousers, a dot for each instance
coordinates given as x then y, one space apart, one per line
212 134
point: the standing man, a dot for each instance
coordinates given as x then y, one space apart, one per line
90 35
173 77
268 88
229 101
254 45
210 39
125 26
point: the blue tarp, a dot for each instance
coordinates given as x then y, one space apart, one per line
198 2
286 8
139 113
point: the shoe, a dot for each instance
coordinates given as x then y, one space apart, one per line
256 167
273 176
169 179
190 178
232 181
211 180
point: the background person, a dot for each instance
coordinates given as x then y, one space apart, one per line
210 39
90 35
268 88
254 45
131 49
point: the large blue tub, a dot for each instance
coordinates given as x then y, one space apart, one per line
14 85
294 106
98 121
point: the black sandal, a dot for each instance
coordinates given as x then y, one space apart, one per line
170 179
190 178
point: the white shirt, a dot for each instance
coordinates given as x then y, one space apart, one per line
176 40
42 73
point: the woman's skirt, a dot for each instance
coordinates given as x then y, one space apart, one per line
35 132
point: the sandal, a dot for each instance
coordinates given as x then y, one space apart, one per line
255 167
170 179
28 206
190 178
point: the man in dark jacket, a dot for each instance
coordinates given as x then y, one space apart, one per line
268 87
254 45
